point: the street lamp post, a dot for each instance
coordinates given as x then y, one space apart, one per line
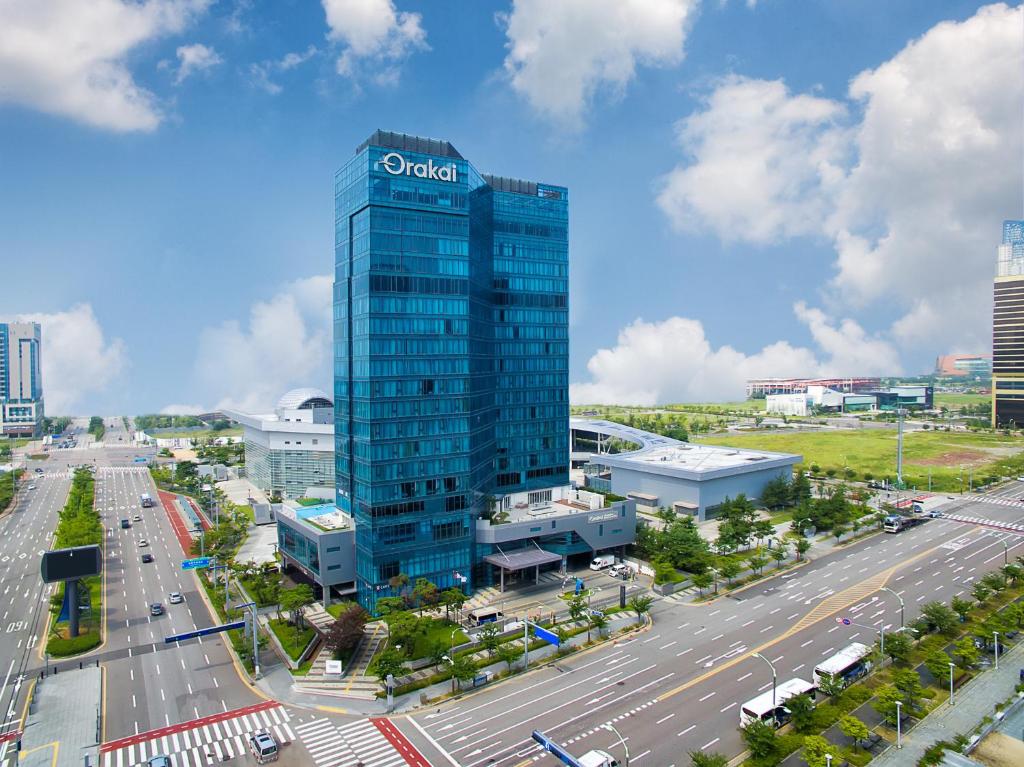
828 760
622 740
951 667
899 725
449 659
1005 553
886 588
995 638
775 717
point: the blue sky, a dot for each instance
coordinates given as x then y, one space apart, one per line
773 187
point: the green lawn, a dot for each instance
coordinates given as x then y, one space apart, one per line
292 639
438 631
874 451
200 434
954 401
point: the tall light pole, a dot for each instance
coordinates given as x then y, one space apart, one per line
886 588
828 760
1005 553
951 667
995 638
775 716
899 725
899 446
622 740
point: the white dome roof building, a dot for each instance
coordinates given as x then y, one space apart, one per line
291 450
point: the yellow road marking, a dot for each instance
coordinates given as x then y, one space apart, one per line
333 709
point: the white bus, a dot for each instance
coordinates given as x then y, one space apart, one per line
763 708
145 500
846 666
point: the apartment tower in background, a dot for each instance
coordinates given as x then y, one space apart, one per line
21 380
1008 329
450 352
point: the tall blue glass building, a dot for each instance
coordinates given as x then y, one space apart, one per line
450 353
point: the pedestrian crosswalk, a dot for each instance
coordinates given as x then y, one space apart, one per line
363 742
202 742
1001 501
1007 527
124 470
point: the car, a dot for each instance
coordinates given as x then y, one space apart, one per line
143 543
156 609
175 598
38 470
32 487
147 558
137 518
159 761
263 746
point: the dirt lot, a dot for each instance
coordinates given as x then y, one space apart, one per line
999 750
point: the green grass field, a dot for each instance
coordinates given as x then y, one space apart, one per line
954 401
200 434
874 451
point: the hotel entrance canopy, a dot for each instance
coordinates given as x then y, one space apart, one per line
520 560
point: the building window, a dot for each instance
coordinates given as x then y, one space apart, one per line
333 567
316 442
333 549
388 570
540 496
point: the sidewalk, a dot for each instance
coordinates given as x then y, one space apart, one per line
61 730
974 701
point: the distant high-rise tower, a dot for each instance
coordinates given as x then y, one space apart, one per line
1008 329
450 355
21 381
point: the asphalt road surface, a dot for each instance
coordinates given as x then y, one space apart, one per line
678 686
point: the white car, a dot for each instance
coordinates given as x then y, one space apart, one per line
175 598
143 543
31 487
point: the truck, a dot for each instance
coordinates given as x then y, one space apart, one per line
597 758
897 523
600 563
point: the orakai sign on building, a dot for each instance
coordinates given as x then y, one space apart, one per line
397 165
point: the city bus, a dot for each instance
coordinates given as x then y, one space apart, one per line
762 707
846 666
146 500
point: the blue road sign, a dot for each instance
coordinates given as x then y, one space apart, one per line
195 564
204 632
548 636
554 749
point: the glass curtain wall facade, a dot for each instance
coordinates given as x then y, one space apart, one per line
450 353
1008 329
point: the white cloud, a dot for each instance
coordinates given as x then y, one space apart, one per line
77 359
182 410
67 57
195 58
911 193
286 342
673 361
764 164
560 55
373 34
264 70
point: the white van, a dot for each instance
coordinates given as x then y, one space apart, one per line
597 758
600 563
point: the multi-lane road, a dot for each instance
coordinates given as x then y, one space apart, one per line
678 686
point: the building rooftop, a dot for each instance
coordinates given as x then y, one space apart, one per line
324 517
296 398
664 455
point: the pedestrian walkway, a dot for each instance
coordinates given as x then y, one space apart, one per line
63 720
1006 527
974 701
368 742
201 742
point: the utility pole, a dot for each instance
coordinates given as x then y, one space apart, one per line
899 447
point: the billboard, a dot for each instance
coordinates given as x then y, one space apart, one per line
65 564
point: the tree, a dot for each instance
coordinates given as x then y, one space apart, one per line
640 604
1013 573
729 569
347 630
702 581
757 562
452 599
909 684
405 629
488 638
424 593
937 663
597 621
981 592
995 581
800 489
854 728
708 759
389 661
509 654
777 493
760 739
802 547
779 554
830 685
577 607
838 530
801 710
815 748
965 654
437 653
400 586
463 669
885 702
294 599
763 529
898 646
962 607
940 618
